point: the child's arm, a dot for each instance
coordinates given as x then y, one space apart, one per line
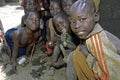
70 45
15 39
67 41
48 31
50 42
30 49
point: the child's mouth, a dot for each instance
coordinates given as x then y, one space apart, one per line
81 33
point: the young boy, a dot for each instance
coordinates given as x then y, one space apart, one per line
55 7
29 6
98 55
64 42
22 40
24 4
66 4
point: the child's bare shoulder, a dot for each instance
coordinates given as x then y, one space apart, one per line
18 33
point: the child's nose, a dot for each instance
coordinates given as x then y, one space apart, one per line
78 24
55 11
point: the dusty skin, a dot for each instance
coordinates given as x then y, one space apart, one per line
10 15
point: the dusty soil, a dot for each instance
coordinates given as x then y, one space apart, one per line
10 16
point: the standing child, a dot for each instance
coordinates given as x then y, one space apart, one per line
98 55
45 14
22 40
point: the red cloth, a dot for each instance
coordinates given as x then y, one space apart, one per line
49 50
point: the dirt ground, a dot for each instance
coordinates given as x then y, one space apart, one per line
10 16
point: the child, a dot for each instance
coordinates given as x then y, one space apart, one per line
98 55
24 4
45 14
22 40
64 42
29 6
3 44
66 4
55 7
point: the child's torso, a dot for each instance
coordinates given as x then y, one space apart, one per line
26 39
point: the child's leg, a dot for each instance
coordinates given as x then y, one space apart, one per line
54 59
8 40
59 63
56 53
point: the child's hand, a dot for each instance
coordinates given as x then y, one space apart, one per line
50 44
63 37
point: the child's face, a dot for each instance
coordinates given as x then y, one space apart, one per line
82 20
32 21
61 23
46 4
54 8
67 4
30 6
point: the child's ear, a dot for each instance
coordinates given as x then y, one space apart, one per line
96 16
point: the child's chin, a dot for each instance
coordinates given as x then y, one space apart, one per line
82 37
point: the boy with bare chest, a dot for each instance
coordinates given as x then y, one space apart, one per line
22 40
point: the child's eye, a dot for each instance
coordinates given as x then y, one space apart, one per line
82 19
72 21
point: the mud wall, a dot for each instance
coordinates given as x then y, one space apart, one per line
110 16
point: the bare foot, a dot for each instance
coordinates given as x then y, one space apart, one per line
11 72
58 64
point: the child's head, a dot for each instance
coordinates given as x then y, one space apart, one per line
66 4
83 17
55 7
32 21
46 4
30 5
60 21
